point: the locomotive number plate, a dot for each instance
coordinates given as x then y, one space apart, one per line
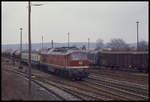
80 62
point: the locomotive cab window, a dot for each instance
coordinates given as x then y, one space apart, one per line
79 56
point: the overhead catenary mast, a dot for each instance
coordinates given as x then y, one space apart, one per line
42 41
20 46
137 36
88 43
52 43
68 39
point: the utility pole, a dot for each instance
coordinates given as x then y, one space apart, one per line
20 67
29 38
88 43
52 43
68 39
137 36
42 42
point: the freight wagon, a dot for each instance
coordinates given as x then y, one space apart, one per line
120 60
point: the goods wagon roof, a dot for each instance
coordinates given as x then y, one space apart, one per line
126 52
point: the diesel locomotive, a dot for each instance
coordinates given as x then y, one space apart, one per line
68 62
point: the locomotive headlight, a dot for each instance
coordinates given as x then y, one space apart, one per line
80 62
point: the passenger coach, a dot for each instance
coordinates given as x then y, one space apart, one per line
35 58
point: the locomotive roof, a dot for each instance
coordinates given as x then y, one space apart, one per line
61 51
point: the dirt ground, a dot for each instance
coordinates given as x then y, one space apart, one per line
15 87
12 89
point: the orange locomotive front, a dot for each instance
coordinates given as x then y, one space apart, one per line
68 62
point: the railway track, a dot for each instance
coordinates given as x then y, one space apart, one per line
74 88
93 88
123 87
34 82
89 93
77 90
57 92
82 91
82 95
126 76
122 83
125 94
115 93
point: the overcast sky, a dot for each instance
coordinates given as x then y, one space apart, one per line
105 20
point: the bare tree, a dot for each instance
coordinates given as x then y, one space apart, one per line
99 44
118 44
143 46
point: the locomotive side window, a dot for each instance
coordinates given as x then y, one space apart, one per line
83 56
75 56
68 57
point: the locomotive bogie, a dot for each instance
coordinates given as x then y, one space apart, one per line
71 73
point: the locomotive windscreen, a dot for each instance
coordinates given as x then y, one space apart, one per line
78 56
